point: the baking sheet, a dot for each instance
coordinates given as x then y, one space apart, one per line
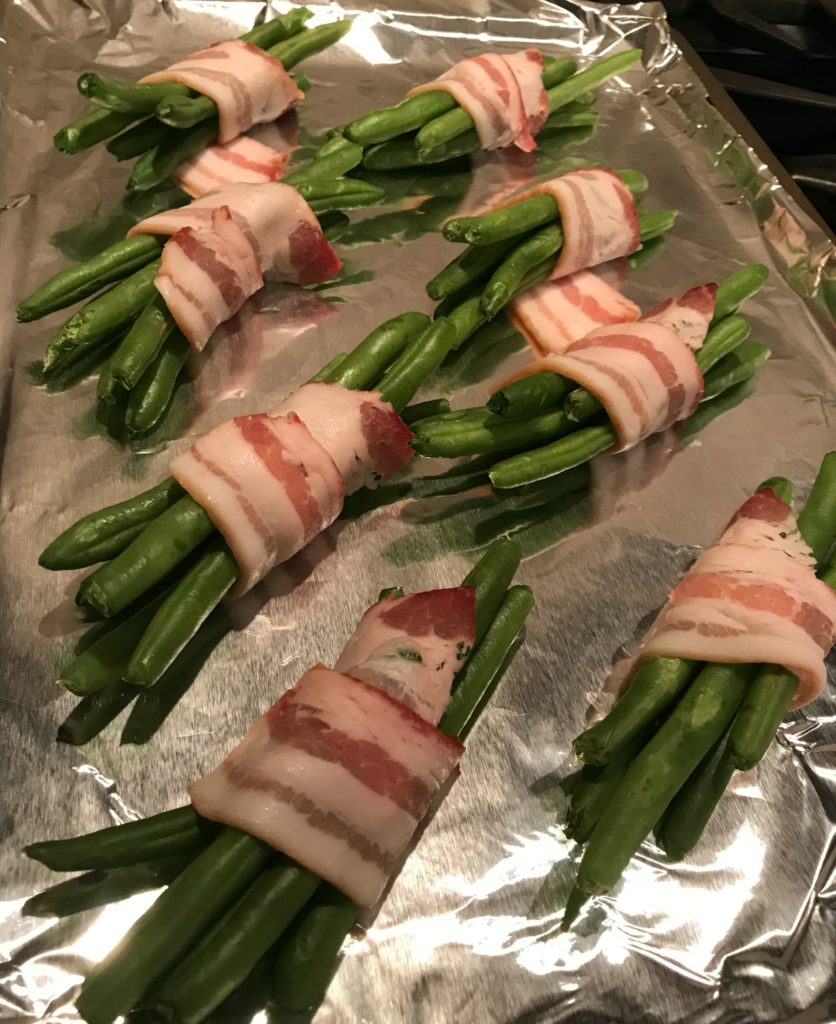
744 930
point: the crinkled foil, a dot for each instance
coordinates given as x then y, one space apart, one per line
745 928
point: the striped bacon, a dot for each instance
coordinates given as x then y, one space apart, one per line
267 485
337 775
247 84
413 646
364 436
753 597
503 94
282 229
242 160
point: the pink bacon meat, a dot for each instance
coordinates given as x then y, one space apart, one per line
337 775
413 646
503 94
281 227
753 597
364 436
555 314
247 84
206 275
243 160
267 485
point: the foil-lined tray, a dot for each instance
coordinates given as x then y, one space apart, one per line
745 928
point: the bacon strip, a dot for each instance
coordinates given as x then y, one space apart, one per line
413 646
337 775
249 86
242 160
503 94
364 436
555 314
281 227
267 485
753 597
206 275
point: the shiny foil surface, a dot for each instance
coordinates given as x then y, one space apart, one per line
744 929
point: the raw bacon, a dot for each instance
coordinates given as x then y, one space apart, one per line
364 436
206 275
281 227
555 314
503 94
337 775
247 84
413 646
689 315
598 214
225 163
753 597
267 485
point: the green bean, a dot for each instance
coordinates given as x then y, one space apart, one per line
166 541
328 371
654 688
141 344
490 578
660 771
91 129
84 279
407 116
737 366
69 550
737 288
181 614
687 815
106 661
817 520
474 681
348 198
227 955
138 139
554 458
595 787
165 933
100 319
590 78
308 43
98 888
466 268
396 155
367 362
322 189
421 358
284 26
150 397
157 164
422 410
337 162
128 97
529 395
334 225
171 832
486 433
94 713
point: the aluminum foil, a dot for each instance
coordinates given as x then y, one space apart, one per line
743 930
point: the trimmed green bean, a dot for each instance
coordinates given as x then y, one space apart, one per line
328 371
128 97
491 577
284 26
467 267
390 340
89 130
138 139
659 771
590 78
654 688
421 358
165 933
422 410
554 458
94 713
530 395
320 189
309 42
334 225
171 832
150 398
817 520
338 161
486 432
100 319
85 279
407 116
68 549
181 614
595 787
737 366
141 344
735 289
157 164
166 541
98 888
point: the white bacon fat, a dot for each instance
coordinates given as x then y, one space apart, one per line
281 227
364 436
753 597
243 160
503 93
247 84
268 486
206 275
413 646
337 775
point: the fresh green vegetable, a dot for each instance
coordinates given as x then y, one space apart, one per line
91 129
530 395
138 139
94 713
737 366
128 97
420 358
421 410
151 396
595 787
734 290
391 340
141 345
484 432
553 458
159 163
